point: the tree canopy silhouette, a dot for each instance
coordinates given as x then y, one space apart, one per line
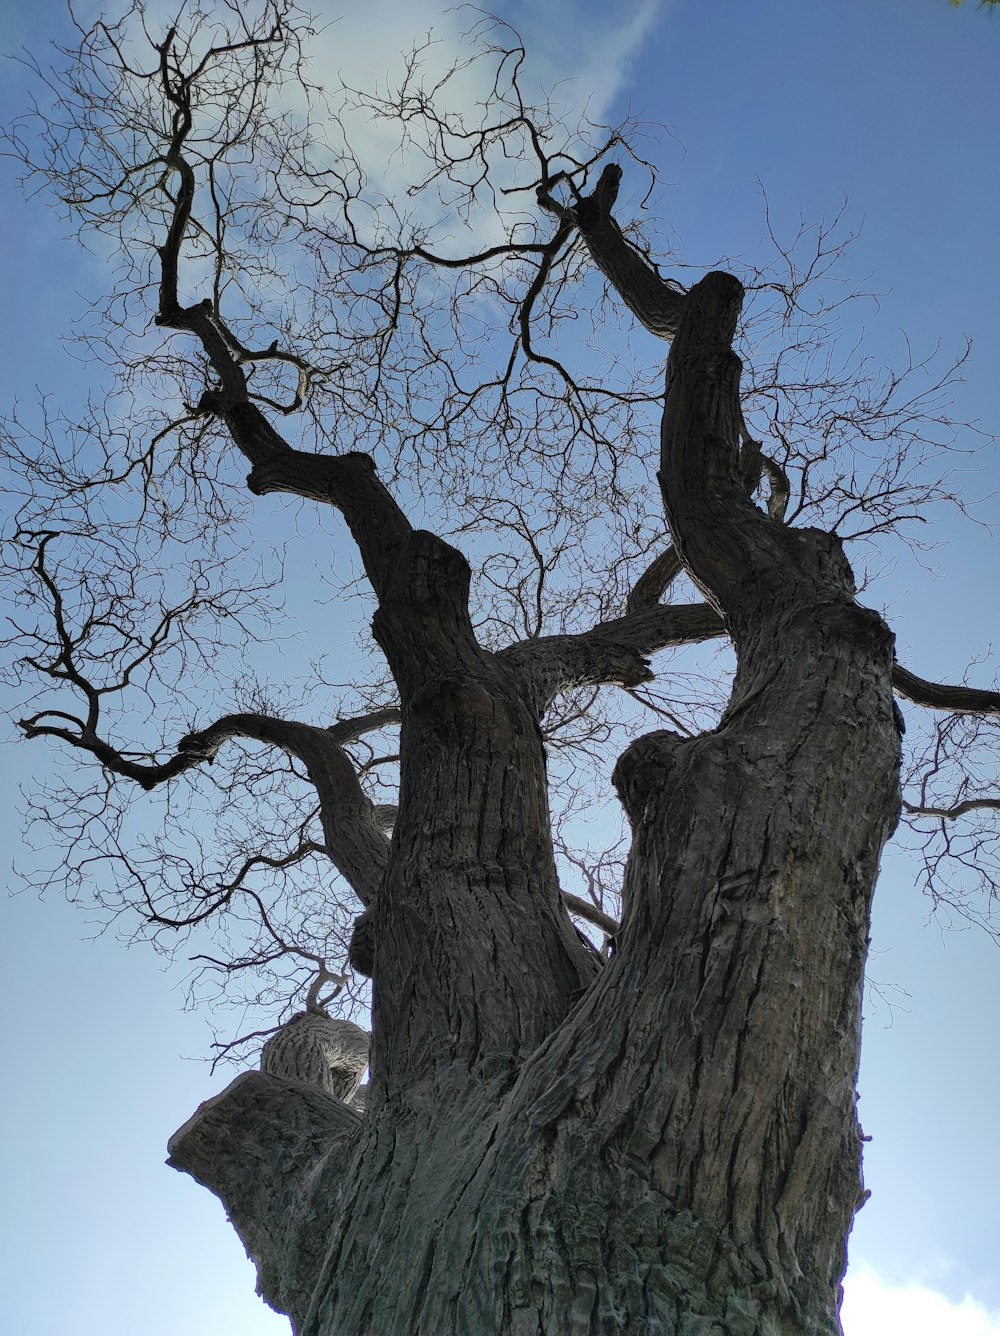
612 1081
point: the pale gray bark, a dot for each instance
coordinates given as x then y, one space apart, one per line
319 1050
277 1153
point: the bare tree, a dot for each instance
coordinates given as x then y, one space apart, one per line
641 1121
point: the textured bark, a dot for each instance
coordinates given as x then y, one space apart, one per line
277 1152
475 958
667 1144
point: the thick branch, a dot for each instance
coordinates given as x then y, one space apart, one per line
745 561
276 1153
345 731
585 910
353 827
957 810
611 652
937 695
657 304
661 306
653 583
348 482
86 739
353 831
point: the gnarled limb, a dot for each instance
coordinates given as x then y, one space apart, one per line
353 826
611 652
279 1155
348 481
79 733
485 851
352 829
657 304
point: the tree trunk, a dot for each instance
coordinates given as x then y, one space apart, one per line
665 1145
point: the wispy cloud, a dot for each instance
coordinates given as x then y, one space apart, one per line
578 59
583 54
577 51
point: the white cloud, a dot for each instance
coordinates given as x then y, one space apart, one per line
582 61
581 53
578 59
585 59
874 1306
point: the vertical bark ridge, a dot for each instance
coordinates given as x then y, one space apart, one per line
708 1063
673 1148
475 957
752 844
685 1145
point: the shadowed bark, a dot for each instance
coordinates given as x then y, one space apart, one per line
695 1102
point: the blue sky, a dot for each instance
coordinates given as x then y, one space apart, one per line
891 103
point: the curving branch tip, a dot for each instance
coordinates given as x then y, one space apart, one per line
324 975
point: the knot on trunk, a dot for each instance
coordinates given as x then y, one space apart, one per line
317 1050
361 952
457 706
643 768
711 311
